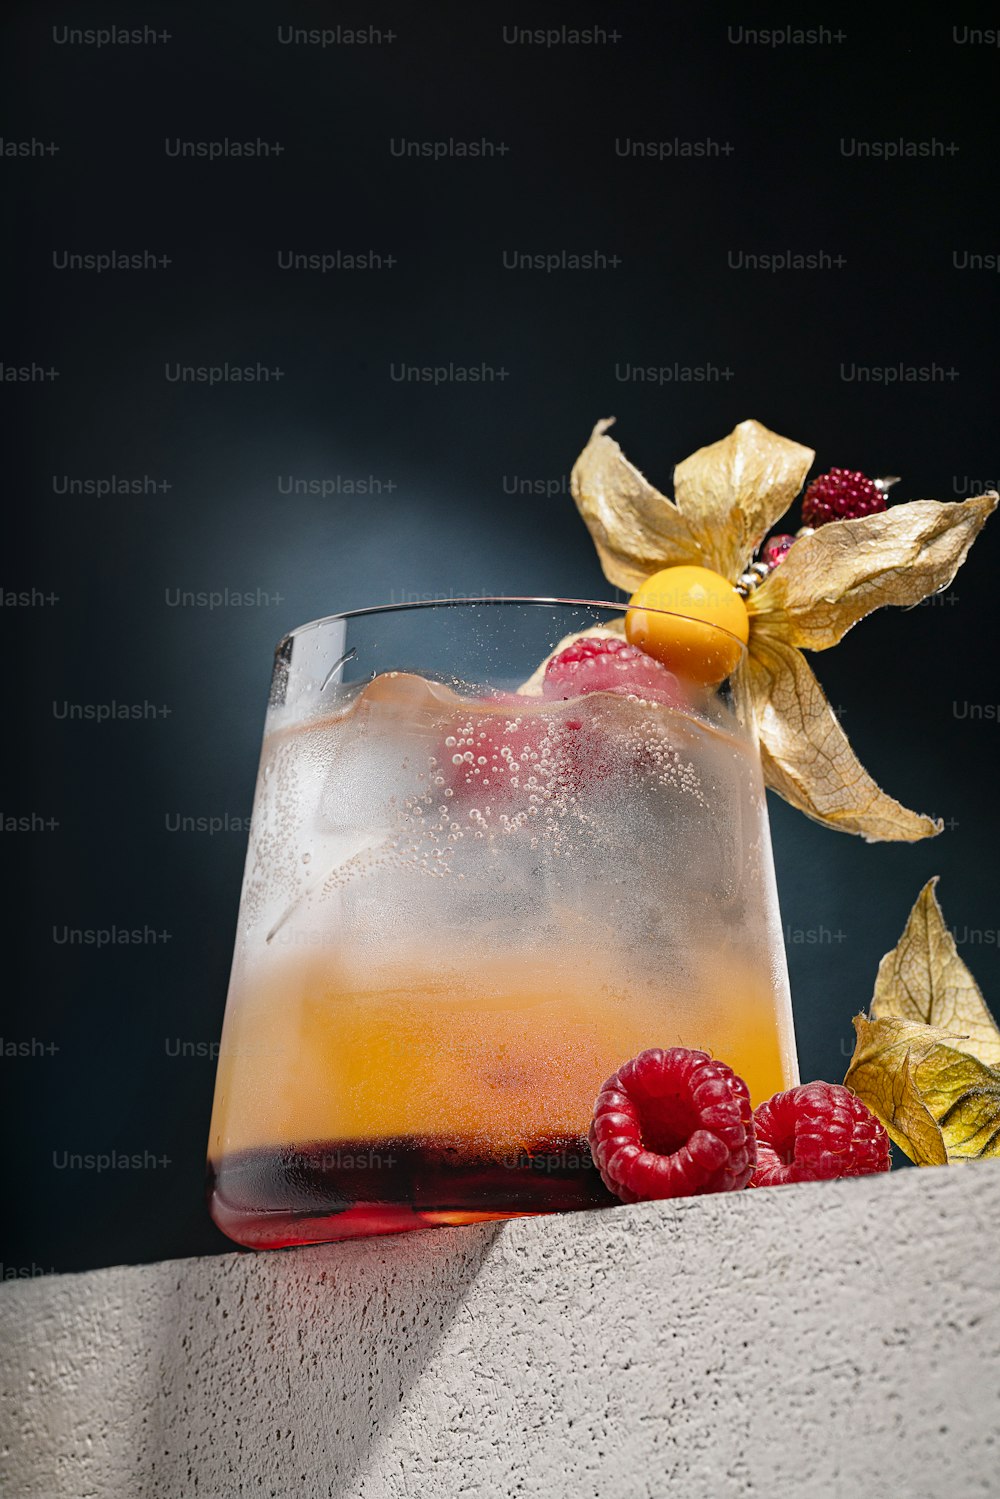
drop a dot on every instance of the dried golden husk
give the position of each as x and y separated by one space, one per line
728 496
927 1055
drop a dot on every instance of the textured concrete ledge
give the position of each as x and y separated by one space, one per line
823 1340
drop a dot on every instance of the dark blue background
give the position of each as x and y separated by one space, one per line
905 682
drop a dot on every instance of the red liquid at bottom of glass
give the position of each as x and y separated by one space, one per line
274 1198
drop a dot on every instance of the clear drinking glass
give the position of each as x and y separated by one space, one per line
464 907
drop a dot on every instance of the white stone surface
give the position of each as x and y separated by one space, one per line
805 1341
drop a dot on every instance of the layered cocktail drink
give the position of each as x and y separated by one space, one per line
471 893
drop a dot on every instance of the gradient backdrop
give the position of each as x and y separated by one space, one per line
127 487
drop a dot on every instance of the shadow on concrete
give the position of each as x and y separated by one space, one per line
316 1347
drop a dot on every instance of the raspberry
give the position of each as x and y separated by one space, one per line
776 549
814 1133
673 1124
842 494
502 752
523 750
600 663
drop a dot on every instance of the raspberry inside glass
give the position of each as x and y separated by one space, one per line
599 663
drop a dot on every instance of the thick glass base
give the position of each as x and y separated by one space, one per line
272 1198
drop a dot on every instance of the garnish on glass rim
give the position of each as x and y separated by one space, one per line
729 496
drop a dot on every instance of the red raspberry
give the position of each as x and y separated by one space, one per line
776 549
504 750
673 1124
815 1133
605 663
842 494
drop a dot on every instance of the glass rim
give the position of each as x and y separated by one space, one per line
524 599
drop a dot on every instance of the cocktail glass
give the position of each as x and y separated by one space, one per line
464 906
